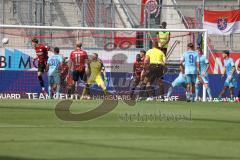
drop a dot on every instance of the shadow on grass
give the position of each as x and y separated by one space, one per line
166 154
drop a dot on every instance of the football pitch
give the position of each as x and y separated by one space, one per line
30 130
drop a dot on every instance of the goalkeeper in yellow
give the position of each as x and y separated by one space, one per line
96 68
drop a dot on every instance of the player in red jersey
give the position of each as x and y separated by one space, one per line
63 73
77 64
138 67
42 57
67 82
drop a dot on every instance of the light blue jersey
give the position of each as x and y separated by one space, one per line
203 61
190 60
54 63
228 65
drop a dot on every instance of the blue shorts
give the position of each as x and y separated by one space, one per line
204 79
179 81
54 79
232 83
191 78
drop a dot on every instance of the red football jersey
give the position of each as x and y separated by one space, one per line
64 71
138 68
70 81
78 57
42 53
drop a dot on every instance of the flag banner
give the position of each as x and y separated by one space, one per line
222 22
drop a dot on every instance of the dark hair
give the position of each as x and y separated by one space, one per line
164 23
79 45
35 40
96 54
143 51
226 52
190 45
155 44
56 50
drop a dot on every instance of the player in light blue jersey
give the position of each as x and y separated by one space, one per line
53 67
238 68
179 81
230 71
190 62
203 77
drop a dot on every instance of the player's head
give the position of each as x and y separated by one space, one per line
138 57
164 25
56 50
155 44
199 50
34 42
95 56
142 53
190 46
79 45
226 53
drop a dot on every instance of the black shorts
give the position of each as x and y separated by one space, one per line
155 71
41 67
77 74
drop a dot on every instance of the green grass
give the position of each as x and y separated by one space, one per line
31 130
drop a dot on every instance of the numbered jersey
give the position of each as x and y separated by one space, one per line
54 64
78 57
190 60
